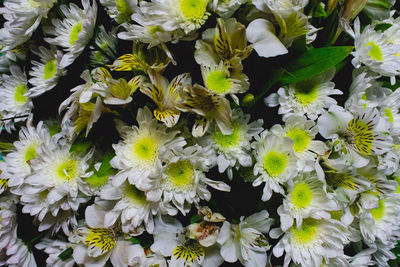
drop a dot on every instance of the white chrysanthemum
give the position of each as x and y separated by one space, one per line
51 192
171 15
374 50
20 255
106 46
357 136
246 241
131 207
383 253
361 259
120 10
54 248
275 162
16 166
389 107
306 198
74 32
45 74
383 222
302 132
225 9
316 241
8 222
170 240
13 99
183 181
137 156
23 17
234 149
97 244
310 97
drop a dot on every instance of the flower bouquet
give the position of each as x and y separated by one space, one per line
199 133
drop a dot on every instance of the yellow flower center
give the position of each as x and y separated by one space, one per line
124 11
50 69
180 175
307 233
19 97
137 197
217 81
73 37
379 212
30 153
375 52
229 141
306 93
67 169
101 238
362 136
300 138
389 114
146 149
193 10
275 163
302 195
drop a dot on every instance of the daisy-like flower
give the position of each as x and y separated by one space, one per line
382 222
306 198
131 207
166 95
302 132
275 162
234 148
55 248
97 244
225 9
8 223
374 50
137 156
246 241
312 244
183 181
171 240
19 255
45 74
120 10
208 107
16 166
356 135
220 81
22 19
310 97
188 15
13 100
51 192
106 46
74 32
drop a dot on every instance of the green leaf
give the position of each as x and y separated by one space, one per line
196 218
314 62
6 146
319 11
66 254
382 26
105 167
134 240
80 146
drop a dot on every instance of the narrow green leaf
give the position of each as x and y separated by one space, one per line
105 167
314 62
134 240
80 146
66 254
5 146
196 219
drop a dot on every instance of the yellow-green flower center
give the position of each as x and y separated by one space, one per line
389 114
101 238
300 138
30 153
193 10
124 11
307 233
67 169
50 69
137 197
180 175
146 149
19 97
217 81
73 37
362 136
375 52
306 93
302 195
379 212
397 179
229 141
275 163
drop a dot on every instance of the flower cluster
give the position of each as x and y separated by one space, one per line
131 133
